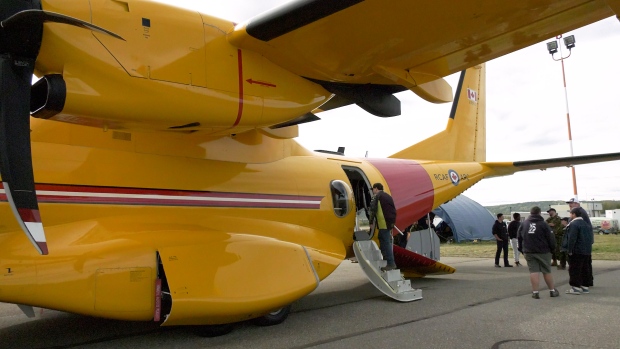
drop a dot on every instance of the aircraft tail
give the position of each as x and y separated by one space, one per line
464 139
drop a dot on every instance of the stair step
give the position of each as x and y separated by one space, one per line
390 282
401 286
362 235
392 275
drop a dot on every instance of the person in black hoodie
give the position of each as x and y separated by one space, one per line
536 241
501 235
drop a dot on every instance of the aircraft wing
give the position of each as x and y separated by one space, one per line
507 168
408 43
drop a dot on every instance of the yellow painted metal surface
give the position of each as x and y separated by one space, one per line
177 67
88 241
72 279
127 289
464 138
469 174
227 278
436 39
242 216
163 42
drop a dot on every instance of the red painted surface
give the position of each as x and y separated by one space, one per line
29 215
240 66
409 261
410 187
43 246
78 194
262 83
406 259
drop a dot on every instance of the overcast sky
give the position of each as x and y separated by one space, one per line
526 114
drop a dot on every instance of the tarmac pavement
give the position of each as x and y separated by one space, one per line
479 306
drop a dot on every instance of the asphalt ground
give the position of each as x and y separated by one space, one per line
479 306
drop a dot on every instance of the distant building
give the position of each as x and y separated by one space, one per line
614 214
594 209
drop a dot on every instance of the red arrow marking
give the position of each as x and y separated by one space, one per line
262 83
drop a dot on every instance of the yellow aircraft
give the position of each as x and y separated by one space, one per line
153 168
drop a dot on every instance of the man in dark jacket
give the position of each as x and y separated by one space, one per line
513 228
383 216
574 203
536 241
578 244
501 235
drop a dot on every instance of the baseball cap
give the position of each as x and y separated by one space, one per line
551 209
572 200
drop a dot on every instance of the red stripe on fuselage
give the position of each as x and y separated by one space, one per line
410 187
240 65
72 194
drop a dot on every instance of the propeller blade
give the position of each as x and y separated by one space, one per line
15 151
20 41
31 18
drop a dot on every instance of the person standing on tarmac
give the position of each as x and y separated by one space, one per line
383 216
536 241
573 203
513 228
563 253
555 223
501 235
578 244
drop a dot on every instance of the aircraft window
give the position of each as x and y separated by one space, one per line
340 198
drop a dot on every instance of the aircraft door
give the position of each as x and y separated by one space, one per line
361 194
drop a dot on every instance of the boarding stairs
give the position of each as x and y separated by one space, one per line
390 282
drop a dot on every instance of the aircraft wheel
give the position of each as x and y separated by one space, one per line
213 330
274 318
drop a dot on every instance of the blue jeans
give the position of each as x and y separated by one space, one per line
385 244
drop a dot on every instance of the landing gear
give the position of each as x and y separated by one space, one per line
274 318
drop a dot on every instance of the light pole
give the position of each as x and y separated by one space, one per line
552 47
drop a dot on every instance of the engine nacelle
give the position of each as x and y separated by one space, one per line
173 70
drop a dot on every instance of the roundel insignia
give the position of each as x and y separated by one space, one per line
454 177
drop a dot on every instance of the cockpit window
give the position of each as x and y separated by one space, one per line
340 198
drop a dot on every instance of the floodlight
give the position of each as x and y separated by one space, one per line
552 46
569 41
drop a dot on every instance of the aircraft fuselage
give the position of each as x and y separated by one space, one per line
112 202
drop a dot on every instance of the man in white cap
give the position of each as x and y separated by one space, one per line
573 203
